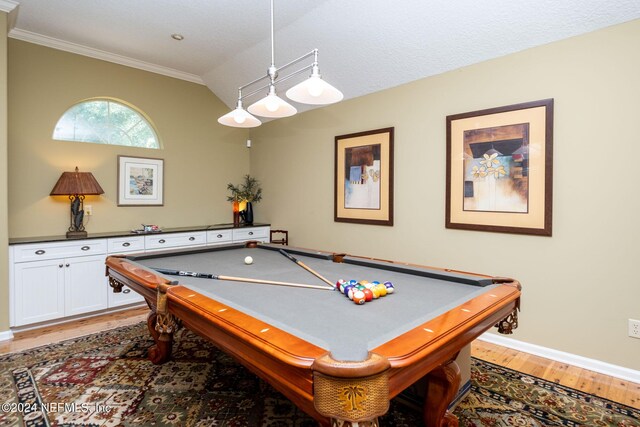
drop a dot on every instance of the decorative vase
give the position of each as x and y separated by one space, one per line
248 214
236 213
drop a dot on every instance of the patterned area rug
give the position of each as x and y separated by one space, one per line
105 380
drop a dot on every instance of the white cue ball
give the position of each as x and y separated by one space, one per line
248 260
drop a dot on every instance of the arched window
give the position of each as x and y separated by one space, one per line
106 121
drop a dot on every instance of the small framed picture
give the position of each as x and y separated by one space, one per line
500 169
364 177
140 181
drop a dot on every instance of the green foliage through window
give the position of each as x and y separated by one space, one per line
105 121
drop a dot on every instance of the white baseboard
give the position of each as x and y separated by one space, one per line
621 372
6 335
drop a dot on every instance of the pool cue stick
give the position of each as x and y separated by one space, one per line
236 279
306 267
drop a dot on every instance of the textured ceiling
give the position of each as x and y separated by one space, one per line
365 45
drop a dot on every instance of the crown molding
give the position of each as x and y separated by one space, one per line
54 43
8 5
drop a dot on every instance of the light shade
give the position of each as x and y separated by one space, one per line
239 118
314 91
272 106
76 183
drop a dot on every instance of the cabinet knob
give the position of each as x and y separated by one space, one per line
161 241
40 252
126 244
60 265
219 236
66 265
251 233
85 248
126 291
192 239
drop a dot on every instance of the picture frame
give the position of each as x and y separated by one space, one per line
363 184
500 169
140 181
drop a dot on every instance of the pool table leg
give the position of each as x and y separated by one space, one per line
442 386
161 325
160 352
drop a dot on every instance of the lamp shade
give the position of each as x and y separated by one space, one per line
76 183
239 118
314 91
272 106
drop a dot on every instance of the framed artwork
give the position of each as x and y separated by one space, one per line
499 169
140 181
364 177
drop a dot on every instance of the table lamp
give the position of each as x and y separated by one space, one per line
76 185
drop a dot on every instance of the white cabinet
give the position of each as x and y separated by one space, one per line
64 249
59 279
53 280
121 246
219 237
161 241
260 234
84 289
38 292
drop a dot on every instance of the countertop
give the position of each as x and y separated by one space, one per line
62 238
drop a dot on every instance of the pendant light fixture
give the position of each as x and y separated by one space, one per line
314 91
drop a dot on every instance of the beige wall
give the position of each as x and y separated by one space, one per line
581 285
4 272
200 155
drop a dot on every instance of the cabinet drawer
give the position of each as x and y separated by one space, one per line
218 236
44 251
254 233
118 245
127 296
173 240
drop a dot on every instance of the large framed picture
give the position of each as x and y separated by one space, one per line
499 169
364 177
140 181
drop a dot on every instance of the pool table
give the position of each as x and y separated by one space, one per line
338 361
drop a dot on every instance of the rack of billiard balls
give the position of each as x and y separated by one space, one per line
363 291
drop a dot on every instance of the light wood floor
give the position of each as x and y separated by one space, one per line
611 388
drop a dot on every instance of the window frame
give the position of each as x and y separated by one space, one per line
145 119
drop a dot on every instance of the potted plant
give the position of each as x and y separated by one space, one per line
248 192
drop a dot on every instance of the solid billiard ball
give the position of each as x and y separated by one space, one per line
368 295
382 289
248 260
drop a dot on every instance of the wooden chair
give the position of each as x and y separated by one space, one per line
282 237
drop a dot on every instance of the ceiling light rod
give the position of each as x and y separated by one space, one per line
280 79
314 91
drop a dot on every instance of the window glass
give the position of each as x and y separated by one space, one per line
106 121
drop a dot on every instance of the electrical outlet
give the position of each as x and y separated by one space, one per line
88 210
634 328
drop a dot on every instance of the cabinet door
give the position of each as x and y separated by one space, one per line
85 285
38 291
125 297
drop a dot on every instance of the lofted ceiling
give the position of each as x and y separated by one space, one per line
364 45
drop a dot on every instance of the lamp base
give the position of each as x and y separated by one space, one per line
76 234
